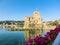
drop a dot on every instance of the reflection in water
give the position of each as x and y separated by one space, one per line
11 38
16 37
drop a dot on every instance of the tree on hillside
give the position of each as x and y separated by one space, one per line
54 23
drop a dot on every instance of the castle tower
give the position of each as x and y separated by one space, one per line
36 14
26 23
37 19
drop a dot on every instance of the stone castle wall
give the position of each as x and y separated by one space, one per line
33 22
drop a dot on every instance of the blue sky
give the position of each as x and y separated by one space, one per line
18 9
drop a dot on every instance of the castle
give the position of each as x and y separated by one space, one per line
33 22
36 22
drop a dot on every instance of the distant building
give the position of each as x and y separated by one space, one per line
59 22
33 22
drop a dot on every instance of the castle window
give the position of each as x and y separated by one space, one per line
29 19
